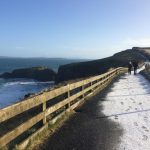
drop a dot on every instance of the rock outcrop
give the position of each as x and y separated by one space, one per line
37 73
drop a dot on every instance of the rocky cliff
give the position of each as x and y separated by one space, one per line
38 73
91 68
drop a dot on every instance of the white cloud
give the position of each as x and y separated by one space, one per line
142 42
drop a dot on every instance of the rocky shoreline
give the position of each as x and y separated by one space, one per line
38 73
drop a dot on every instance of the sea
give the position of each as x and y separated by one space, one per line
14 90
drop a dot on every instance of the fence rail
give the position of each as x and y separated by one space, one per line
71 100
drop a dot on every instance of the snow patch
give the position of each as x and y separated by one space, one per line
128 103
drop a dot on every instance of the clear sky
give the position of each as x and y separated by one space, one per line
72 28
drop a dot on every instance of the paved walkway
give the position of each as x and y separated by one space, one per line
117 119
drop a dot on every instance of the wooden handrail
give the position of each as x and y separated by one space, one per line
41 99
29 103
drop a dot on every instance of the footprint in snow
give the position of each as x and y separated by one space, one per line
145 117
116 117
122 103
145 120
135 123
144 127
146 130
145 137
127 109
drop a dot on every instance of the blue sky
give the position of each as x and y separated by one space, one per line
72 28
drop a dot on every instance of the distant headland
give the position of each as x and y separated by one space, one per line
81 68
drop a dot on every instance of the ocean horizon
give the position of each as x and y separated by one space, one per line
8 64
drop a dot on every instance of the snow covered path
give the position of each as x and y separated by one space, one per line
128 103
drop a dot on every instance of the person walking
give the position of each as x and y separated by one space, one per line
135 66
130 67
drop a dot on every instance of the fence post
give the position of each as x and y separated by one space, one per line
117 71
83 95
68 95
44 108
92 90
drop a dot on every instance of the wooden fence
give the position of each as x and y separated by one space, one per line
48 105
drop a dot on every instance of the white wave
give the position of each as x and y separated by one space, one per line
26 83
12 90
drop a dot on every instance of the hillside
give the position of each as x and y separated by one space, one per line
144 51
91 68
